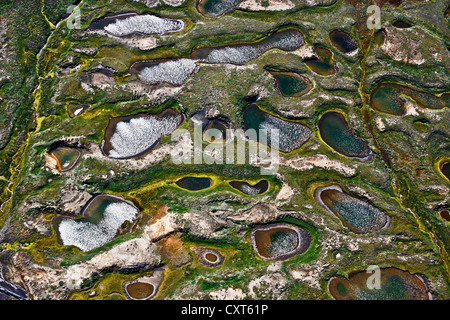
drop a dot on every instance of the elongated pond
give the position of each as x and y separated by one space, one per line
132 136
394 284
390 98
174 72
335 131
215 8
131 23
356 214
240 54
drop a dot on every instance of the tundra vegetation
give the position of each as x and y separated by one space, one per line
93 207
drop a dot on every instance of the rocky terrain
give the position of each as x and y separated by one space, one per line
170 55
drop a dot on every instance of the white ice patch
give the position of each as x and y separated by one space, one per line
66 164
242 54
245 188
87 236
139 134
145 24
174 72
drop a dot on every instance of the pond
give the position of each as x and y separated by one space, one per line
323 63
208 257
157 72
140 290
216 8
102 218
123 25
445 169
356 214
75 109
389 97
243 186
215 131
194 183
240 54
291 84
292 134
66 158
144 287
132 136
279 241
395 284
401 24
343 41
445 214
336 132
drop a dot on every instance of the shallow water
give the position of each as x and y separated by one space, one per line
174 72
66 158
336 132
75 109
132 136
445 214
387 98
102 218
323 64
445 169
130 23
395 284
291 84
379 37
211 257
276 242
357 215
212 129
402 24
279 241
208 257
140 290
292 135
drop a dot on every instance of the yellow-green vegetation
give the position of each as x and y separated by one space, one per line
52 70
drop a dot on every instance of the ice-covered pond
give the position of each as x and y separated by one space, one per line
132 136
102 217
